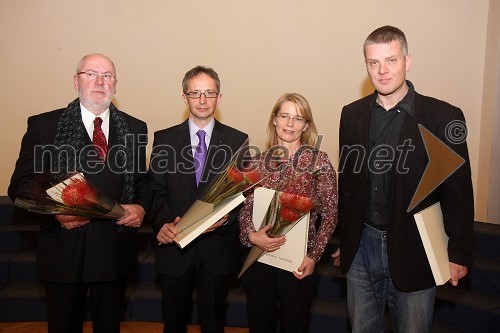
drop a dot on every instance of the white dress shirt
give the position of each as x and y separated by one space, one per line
88 121
195 140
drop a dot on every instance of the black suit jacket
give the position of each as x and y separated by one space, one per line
100 252
174 188
408 263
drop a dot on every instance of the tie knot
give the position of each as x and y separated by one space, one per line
97 122
201 135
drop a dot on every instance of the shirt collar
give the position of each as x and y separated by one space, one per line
88 117
406 104
88 121
193 129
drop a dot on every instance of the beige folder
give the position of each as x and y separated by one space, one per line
201 215
431 228
289 256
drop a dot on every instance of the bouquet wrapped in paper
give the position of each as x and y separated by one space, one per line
284 211
222 195
73 196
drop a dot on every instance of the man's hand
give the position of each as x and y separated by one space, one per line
336 257
71 221
263 241
457 272
307 268
134 215
168 232
217 224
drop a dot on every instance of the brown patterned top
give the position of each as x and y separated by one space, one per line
307 173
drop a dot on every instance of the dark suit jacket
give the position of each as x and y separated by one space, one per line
97 253
408 263
174 188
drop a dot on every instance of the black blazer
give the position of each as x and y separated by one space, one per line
174 188
408 263
98 253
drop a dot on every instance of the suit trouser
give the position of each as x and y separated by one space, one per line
177 297
275 293
66 306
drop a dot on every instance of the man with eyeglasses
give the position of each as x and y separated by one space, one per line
77 255
211 261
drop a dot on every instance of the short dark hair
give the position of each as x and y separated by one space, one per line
386 35
198 70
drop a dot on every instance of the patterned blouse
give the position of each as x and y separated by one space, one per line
307 173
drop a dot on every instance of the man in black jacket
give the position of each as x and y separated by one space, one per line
381 163
210 261
78 254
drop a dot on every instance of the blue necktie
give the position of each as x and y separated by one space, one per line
200 155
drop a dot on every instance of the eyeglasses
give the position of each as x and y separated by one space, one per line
91 75
285 117
197 94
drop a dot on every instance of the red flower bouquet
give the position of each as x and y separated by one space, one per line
283 213
73 196
222 195
78 193
288 208
231 182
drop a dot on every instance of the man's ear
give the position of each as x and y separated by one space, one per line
75 82
185 99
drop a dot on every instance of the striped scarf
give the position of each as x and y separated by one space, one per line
70 140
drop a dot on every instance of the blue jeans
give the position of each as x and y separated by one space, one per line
370 290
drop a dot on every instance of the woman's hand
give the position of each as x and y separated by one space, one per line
263 241
307 268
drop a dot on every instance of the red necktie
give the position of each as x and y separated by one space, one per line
99 139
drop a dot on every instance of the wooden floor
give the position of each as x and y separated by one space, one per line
126 327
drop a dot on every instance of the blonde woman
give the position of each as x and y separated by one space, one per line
271 292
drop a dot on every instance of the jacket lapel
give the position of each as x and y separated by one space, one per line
363 124
409 138
214 160
112 139
185 152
